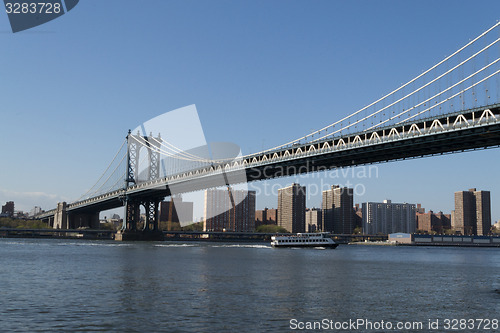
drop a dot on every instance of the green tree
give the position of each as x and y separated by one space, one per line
270 228
449 231
198 226
6 222
170 226
358 230
107 226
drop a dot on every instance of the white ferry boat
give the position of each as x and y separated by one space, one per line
304 240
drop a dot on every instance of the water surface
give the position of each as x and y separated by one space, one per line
81 285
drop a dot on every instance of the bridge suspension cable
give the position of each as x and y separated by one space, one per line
177 152
113 173
452 82
453 96
167 149
94 190
386 99
419 89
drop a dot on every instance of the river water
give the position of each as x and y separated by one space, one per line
49 285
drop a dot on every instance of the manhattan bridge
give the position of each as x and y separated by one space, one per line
453 106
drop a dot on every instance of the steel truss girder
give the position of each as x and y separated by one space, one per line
133 162
132 213
152 217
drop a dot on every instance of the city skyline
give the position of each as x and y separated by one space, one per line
274 205
153 139
328 77
338 213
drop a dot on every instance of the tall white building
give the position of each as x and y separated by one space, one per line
387 217
35 211
313 220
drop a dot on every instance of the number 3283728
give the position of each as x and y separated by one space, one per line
32 8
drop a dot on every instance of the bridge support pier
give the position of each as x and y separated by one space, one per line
68 220
89 220
50 221
132 215
61 216
150 230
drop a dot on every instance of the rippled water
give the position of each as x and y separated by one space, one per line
81 285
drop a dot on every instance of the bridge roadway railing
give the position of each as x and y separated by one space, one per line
431 126
469 119
383 134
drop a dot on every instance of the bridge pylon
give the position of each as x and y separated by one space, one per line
136 146
137 173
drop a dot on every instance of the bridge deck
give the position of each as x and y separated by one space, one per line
454 132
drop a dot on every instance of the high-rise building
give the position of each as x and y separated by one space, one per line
465 212
483 213
388 217
229 210
472 214
327 207
313 219
337 207
292 208
429 221
265 216
8 209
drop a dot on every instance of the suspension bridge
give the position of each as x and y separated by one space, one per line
453 106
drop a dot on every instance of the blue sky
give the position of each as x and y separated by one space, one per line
260 73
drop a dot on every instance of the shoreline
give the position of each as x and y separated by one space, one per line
176 236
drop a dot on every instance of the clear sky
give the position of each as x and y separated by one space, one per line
260 73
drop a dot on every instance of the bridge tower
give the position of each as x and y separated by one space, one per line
137 144
138 173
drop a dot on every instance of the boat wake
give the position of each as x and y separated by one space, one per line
252 246
176 245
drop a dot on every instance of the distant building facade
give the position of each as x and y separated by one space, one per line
35 211
229 210
8 209
420 209
358 217
176 210
337 210
472 214
497 227
430 222
313 219
483 213
387 217
265 216
292 208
